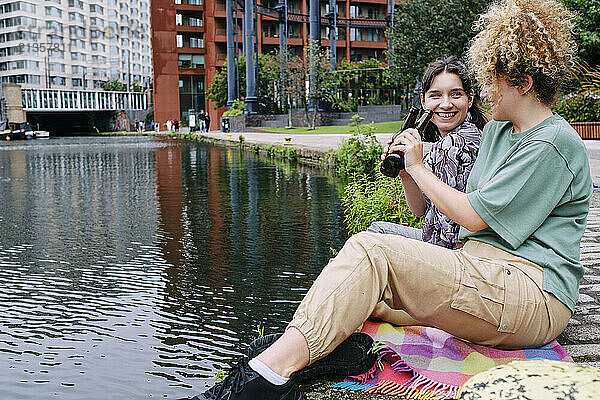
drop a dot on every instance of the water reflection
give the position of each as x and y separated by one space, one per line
139 267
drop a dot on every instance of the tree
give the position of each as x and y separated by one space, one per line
114 86
428 29
588 29
268 75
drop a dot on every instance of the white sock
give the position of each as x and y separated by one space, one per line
267 372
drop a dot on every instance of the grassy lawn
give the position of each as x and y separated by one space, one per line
381 127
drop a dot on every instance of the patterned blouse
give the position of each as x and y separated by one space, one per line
450 159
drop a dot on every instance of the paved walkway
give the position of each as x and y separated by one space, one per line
581 338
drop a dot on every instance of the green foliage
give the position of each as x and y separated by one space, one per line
280 151
135 87
268 76
148 119
241 139
114 86
361 130
360 153
237 108
581 107
428 29
220 375
368 199
587 34
260 331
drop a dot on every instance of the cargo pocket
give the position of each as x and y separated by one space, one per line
482 291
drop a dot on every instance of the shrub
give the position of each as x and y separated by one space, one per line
237 108
367 199
580 107
360 153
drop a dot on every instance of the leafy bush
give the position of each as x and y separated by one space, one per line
360 153
580 107
367 199
237 108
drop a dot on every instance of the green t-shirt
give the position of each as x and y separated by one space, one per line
533 190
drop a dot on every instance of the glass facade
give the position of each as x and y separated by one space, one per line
191 95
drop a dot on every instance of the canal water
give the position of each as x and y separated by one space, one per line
138 267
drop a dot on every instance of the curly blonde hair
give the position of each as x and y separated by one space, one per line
525 37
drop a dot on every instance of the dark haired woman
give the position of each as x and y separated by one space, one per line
457 119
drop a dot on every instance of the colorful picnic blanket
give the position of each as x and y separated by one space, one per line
428 363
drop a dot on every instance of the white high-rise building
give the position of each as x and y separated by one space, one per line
75 44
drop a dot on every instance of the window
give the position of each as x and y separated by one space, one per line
18 21
76 4
17 6
58 80
124 42
23 78
112 13
191 60
20 35
59 54
98 59
95 21
77 43
98 47
77 69
20 64
76 31
53 11
55 26
114 50
76 56
95 34
56 67
196 42
96 8
75 16
77 82
54 39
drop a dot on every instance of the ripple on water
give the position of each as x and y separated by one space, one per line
140 267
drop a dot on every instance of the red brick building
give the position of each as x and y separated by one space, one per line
189 44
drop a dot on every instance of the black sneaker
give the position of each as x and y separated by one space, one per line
243 383
352 357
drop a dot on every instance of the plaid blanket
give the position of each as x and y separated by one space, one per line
428 363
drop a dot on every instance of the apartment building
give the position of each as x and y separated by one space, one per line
190 45
75 44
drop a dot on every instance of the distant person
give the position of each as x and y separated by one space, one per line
176 123
169 125
207 119
152 125
202 121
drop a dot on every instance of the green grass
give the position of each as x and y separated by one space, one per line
381 127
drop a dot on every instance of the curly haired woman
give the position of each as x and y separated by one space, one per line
514 283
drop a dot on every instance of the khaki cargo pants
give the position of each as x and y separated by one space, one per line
479 293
